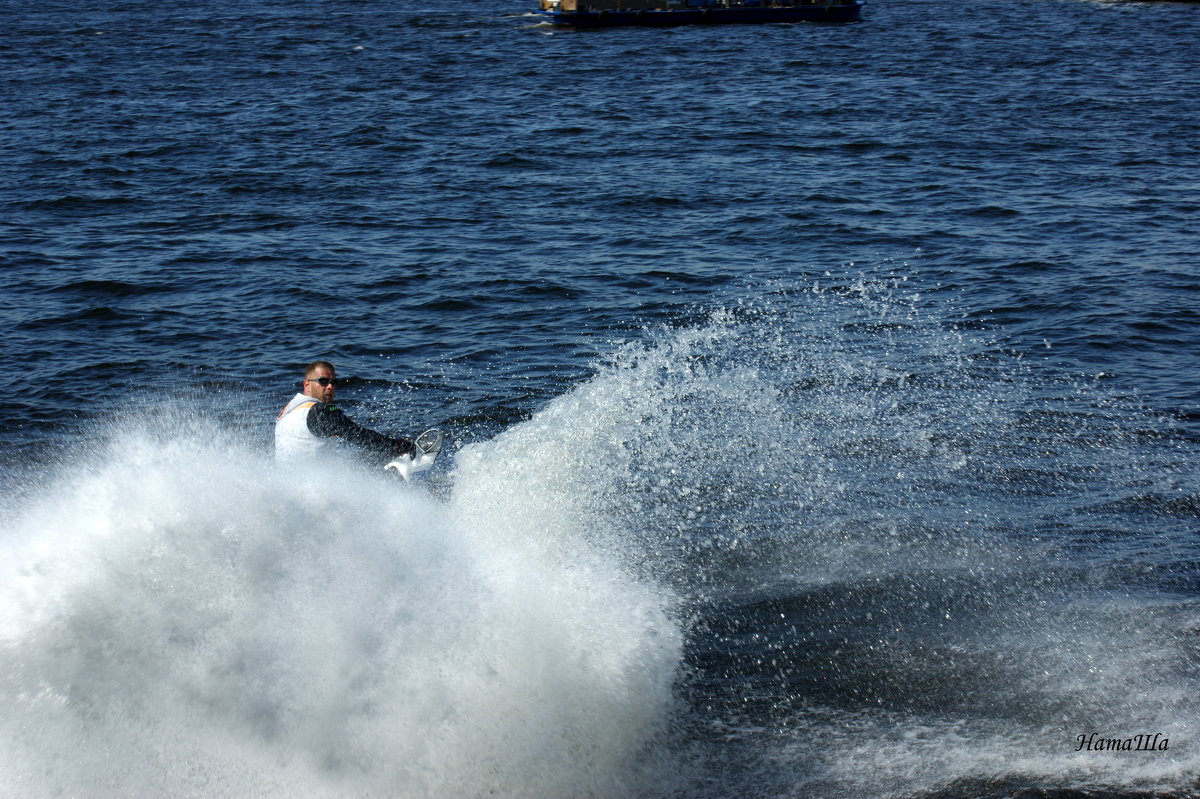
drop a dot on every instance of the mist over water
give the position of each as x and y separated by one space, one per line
181 619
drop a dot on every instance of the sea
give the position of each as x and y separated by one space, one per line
821 402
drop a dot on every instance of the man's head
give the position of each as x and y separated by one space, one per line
319 380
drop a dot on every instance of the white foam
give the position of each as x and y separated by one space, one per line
178 618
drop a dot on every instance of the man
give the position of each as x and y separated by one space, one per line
307 423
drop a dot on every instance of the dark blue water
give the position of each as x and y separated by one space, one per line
822 402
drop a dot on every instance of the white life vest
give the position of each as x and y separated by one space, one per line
293 440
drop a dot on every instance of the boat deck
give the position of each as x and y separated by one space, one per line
661 13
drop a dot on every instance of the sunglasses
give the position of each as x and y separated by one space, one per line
323 381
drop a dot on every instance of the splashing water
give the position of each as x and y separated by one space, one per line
183 620
822 543
910 561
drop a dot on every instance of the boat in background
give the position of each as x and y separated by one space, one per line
614 13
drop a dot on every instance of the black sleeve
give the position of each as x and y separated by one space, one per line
326 421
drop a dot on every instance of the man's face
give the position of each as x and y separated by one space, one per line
313 387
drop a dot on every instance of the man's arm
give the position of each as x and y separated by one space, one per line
326 421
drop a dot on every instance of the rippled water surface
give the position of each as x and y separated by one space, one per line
821 402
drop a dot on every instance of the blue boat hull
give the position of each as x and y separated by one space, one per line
833 12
